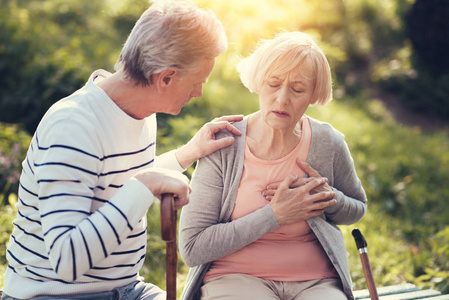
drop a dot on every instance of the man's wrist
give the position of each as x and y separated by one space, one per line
169 160
185 156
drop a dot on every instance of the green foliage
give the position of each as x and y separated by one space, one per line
417 87
418 71
47 51
431 260
13 145
7 215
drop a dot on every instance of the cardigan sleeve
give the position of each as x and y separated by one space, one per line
330 156
206 232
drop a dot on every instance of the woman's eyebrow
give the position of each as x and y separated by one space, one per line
301 82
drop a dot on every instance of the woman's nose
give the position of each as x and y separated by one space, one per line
282 95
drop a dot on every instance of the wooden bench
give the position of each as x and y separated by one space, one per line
406 291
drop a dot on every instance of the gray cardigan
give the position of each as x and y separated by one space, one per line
207 233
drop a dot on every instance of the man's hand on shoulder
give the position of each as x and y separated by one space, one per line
204 142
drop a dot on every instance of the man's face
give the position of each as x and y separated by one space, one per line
187 86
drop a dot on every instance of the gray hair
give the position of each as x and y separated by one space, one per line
282 55
171 33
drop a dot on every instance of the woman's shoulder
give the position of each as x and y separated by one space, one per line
326 142
238 146
325 130
240 125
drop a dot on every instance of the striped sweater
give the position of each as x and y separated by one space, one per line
81 222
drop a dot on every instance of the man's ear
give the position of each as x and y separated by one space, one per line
165 78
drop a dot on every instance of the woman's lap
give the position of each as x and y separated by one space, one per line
241 286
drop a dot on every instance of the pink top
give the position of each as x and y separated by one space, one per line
290 252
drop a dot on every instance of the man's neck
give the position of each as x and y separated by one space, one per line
127 96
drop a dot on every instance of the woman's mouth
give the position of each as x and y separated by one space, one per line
280 114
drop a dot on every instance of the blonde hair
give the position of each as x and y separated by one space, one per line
285 53
171 33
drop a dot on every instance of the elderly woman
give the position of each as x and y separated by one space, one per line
261 223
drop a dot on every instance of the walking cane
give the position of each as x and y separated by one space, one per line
168 233
362 246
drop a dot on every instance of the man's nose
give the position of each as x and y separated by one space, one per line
197 92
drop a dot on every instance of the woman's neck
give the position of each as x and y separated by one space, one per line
268 143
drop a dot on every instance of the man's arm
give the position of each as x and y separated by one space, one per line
78 237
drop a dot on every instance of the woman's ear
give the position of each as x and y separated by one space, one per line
313 101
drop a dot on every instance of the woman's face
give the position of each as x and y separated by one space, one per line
284 99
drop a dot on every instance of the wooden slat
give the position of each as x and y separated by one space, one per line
442 297
387 290
412 295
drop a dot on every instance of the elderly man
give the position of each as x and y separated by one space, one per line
91 173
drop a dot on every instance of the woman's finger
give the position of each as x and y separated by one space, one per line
307 168
299 181
287 182
314 183
321 205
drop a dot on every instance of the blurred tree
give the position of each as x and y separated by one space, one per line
428 30
417 74
47 51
